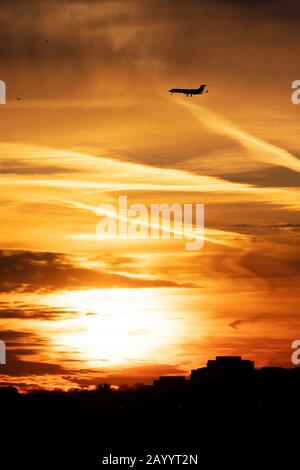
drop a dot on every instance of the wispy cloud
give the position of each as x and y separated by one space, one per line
259 149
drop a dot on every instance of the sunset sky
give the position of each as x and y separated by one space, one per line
95 122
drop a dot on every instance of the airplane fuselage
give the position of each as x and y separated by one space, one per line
189 91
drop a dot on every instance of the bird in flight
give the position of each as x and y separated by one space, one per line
190 91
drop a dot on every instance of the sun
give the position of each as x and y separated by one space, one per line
113 326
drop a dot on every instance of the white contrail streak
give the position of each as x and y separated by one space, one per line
98 210
260 149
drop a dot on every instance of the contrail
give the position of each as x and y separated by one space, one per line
268 153
98 210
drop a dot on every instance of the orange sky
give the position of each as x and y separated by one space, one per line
95 122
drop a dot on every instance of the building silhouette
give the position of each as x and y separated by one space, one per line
224 369
170 382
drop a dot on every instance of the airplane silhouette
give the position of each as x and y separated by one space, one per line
189 91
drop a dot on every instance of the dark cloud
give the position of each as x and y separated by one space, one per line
20 343
16 168
271 177
265 229
33 312
27 271
18 368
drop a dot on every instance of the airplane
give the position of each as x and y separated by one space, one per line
189 91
